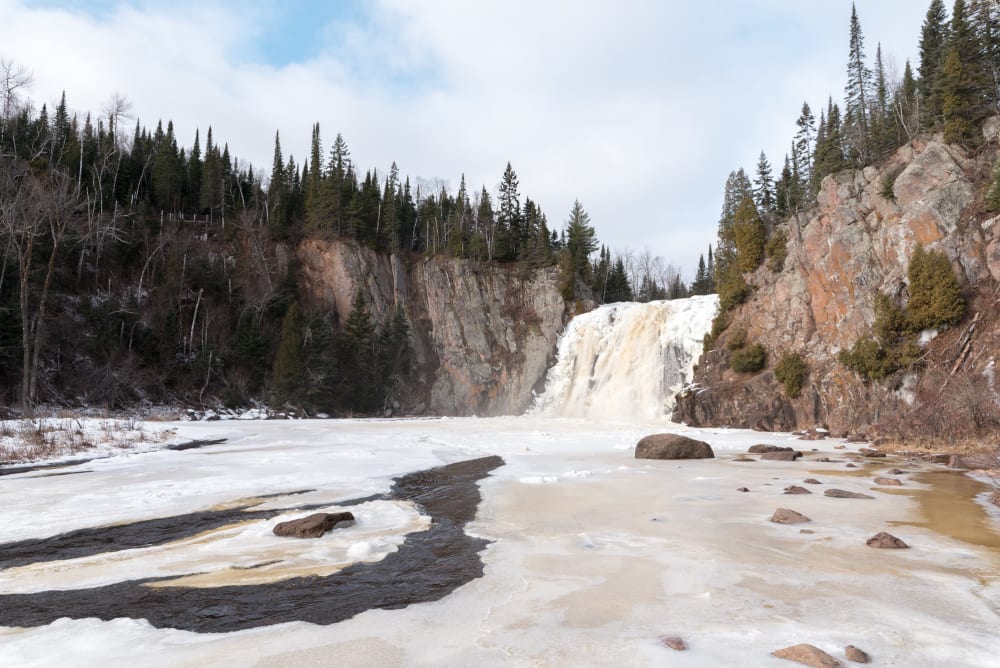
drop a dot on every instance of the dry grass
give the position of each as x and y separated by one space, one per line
35 439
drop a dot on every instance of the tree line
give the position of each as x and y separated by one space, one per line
134 268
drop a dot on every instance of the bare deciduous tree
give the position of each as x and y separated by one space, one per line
37 210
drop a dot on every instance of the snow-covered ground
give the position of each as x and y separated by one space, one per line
596 555
47 440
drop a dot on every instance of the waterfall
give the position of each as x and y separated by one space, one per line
626 361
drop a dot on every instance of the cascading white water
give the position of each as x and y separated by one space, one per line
626 361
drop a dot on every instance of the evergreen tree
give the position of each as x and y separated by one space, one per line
984 15
748 236
763 186
289 362
277 194
701 285
356 359
618 287
802 149
857 94
194 174
509 222
957 92
933 36
581 240
935 295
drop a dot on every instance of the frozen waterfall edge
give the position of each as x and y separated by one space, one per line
626 361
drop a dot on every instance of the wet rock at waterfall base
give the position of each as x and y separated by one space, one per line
856 655
674 642
795 489
782 455
812 481
315 525
886 541
887 481
760 449
787 516
808 655
844 494
895 472
672 446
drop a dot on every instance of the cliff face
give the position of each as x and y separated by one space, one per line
482 336
854 243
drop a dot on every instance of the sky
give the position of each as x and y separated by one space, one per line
637 108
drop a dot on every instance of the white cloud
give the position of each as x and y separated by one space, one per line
639 109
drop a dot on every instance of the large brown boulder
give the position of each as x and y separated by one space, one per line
808 655
672 446
314 526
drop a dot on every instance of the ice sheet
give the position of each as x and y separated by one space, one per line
596 555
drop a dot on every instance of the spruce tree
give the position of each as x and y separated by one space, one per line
581 240
857 93
763 186
803 146
933 36
289 361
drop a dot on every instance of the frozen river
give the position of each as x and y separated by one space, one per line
592 557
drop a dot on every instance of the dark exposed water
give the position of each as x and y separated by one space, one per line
429 565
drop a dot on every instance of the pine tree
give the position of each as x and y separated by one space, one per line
906 107
984 15
581 240
802 149
763 186
933 36
277 194
935 295
956 100
748 236
356 359
194 174
289 361
509 222
857 93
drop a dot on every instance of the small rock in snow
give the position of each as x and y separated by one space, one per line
786 516
674 642
856 655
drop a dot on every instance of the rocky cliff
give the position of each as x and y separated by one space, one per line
482 335
854 243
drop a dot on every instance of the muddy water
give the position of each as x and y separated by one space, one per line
429 565
949 508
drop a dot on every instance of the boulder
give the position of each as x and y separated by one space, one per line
786 516
868 452
782 455
672 446
808 655
844 494
995 498
886 541
760 449
856 655
895 472
812 481
742 489
887 481
795 489
314 526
